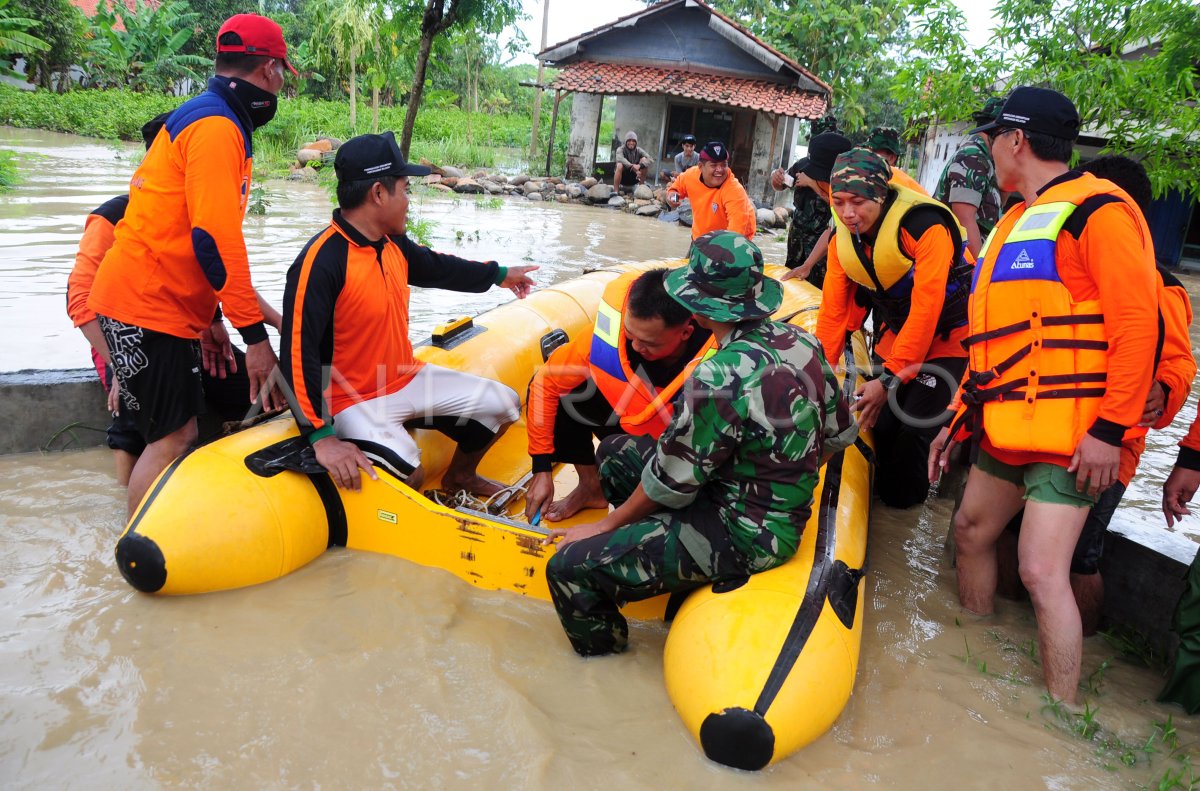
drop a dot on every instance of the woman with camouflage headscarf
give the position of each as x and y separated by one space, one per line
906 252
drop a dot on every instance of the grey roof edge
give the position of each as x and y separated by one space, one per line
727 28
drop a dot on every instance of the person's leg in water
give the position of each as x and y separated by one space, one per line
1048 535
988 503
154 460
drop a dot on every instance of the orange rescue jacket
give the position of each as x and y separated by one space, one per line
1062 335
603 357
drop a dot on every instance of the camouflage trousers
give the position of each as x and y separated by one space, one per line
667 551
800 243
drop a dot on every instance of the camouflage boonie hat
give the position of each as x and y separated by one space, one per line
724 280
991 110
861 172
884 138
827 124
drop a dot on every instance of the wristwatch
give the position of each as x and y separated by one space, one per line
889 380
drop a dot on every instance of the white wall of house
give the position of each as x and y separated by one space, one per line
581 146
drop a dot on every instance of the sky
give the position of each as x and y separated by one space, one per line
569 18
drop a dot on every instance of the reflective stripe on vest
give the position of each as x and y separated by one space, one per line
642 410
606 338
1038 359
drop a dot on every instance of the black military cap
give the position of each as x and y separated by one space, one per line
373 156
1037 110
823 149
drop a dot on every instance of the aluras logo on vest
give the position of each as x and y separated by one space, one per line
1023 260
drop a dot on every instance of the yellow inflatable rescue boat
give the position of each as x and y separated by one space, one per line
757 670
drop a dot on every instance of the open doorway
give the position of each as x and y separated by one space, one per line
734 128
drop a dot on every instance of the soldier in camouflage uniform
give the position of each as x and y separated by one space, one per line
885 142
968 183
810 215
727 489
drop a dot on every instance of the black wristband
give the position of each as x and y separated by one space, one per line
543 462
1189 458
255 333
1107 431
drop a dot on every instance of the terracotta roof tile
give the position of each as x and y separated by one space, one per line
769 97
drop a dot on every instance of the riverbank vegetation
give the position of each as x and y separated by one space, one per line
8 170
443 133
438 71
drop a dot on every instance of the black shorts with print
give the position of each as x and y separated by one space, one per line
159 375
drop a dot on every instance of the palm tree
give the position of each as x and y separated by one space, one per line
352 26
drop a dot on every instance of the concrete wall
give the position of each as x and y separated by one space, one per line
581 147
646 115
34 405
768 129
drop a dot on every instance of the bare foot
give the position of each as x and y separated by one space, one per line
475 484
573 503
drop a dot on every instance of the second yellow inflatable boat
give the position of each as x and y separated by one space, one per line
757 670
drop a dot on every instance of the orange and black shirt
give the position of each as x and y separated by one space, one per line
180 251
345 317
98 231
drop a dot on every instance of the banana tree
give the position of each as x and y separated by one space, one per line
147 54
15 38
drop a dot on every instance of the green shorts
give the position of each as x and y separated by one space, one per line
1043 482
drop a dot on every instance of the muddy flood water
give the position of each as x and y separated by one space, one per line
365 671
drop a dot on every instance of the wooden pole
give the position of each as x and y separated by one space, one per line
537 97
558 94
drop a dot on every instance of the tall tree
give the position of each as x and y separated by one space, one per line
438 16
1132 69
352 27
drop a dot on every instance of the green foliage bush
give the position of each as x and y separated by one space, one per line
106 114
8 170
446 135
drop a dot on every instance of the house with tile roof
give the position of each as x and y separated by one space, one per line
680 67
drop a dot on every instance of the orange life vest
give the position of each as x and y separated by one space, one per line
1037 358
642 410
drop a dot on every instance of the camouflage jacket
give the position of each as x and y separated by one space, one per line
970 177
809 221
748 436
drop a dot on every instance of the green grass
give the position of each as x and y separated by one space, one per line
440 134
8 171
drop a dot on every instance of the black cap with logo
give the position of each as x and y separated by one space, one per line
823 149
714 151
1037 110
372 157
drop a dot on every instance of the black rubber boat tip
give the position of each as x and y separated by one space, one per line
141 563
738 738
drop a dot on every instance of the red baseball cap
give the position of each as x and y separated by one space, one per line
260 35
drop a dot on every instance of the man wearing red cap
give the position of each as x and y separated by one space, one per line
179 256
719 201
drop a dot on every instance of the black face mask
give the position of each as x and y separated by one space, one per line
260 105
